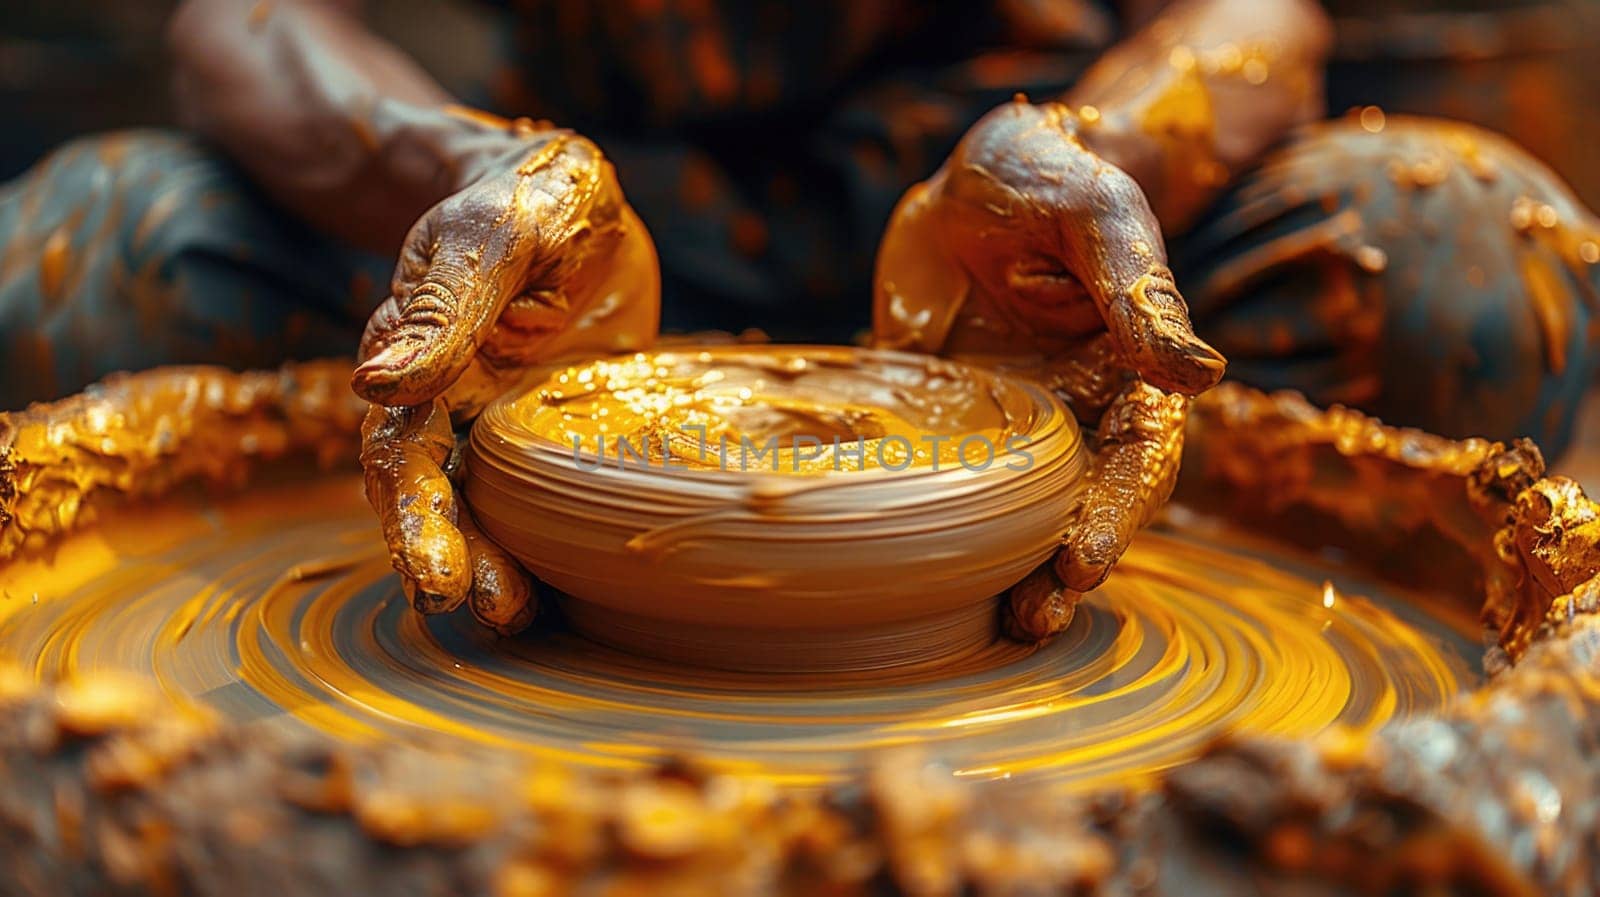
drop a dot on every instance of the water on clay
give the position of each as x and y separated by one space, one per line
278 606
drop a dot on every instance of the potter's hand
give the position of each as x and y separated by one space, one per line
538 257
1028 250
1137 445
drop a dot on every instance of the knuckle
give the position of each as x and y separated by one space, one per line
434 552
1096 545
445 281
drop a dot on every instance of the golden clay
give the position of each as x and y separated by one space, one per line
1468 516
777 507
1299 814
140 435
279 605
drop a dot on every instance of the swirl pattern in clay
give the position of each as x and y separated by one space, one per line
278 606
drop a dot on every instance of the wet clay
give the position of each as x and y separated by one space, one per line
278 607
778 508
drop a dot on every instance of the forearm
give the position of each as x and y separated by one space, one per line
1198 94
330 121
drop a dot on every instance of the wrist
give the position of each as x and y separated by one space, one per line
484 144
1114 139
447 147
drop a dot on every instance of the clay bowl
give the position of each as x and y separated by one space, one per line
880 505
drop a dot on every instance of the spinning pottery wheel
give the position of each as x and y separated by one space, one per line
244 701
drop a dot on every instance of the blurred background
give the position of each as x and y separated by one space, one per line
1527 68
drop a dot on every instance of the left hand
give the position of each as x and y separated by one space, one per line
538 256
1027 250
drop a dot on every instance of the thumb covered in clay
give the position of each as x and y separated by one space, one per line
444 300
1115 248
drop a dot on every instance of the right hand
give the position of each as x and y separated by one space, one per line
536 258
1028 250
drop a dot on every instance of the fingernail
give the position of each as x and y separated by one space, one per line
1087 562
1187 365
518 623
1208 359
1039 606
426 602
429 603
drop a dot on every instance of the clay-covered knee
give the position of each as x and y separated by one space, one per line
132 249
108 185
1427 271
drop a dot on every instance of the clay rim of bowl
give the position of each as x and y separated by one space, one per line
499 417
